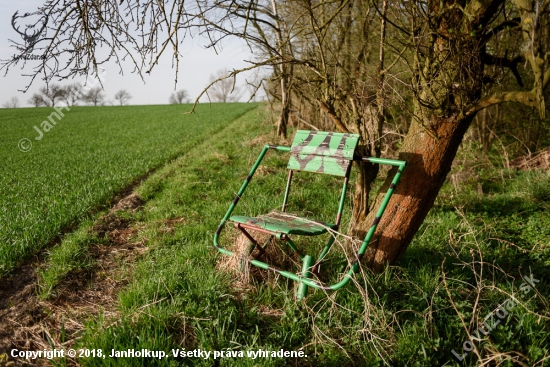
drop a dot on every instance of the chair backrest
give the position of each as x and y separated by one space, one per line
322 152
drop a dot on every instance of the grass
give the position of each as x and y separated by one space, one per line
468 257
71 255
83 161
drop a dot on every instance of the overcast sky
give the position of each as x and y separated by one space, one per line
196 66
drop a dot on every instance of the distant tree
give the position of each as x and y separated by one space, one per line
72 93
38 100
52 94
179 97
12 103
122 96
94 96
223 89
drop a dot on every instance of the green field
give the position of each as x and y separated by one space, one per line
83 161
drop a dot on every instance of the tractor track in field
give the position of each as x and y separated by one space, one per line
29 323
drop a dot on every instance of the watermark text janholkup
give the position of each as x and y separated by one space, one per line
46 126
25 144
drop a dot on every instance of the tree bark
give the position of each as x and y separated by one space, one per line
282 123
370 130
429 161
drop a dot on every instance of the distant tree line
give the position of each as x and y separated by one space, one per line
72 94
222 88
179 97
12 103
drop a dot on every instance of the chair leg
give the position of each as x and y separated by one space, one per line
306 273
252 240
292 245
315 269
267 242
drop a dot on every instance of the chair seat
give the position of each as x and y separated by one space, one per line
284 223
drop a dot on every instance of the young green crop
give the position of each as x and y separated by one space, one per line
83 161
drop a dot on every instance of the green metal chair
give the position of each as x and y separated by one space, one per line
312 151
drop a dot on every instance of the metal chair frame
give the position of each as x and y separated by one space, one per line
308 265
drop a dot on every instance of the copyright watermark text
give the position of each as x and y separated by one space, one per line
156 354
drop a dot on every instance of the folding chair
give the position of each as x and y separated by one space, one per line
312 151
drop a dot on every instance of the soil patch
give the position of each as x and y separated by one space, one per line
29 323
129 203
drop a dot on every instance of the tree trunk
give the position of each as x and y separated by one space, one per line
282 123
447 83
370 131
428 163
484 133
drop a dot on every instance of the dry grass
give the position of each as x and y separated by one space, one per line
30 323
261 140
245 274
540 160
